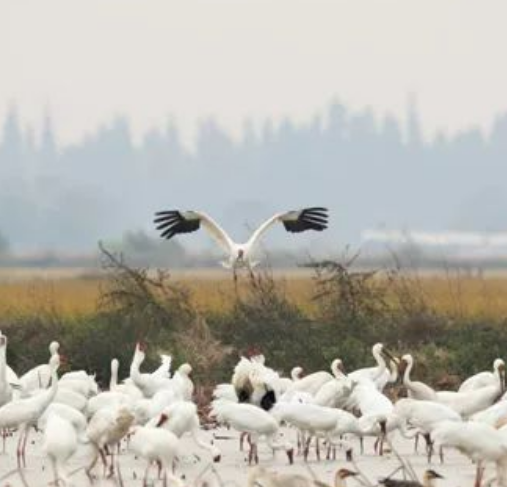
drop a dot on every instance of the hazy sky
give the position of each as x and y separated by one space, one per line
88 60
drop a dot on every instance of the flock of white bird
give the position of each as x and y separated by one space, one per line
314 414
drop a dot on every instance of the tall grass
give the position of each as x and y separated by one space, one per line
453 324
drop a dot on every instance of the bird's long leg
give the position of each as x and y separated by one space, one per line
5 433
307 447
55 471
416 443
111 466
242 440
146 472
361 444
441 454
25 441
479 474
317 448
429 446
250 450
20 445
104 460
118 472
89 469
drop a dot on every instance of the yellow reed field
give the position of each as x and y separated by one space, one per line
77 292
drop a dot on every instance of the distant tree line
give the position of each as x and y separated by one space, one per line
370 171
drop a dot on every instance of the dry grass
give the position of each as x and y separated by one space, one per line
73 292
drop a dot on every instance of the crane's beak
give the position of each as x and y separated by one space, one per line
390 356
501 370
434 475
402 366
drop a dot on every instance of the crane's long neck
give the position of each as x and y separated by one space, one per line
335 369
380 361
3 366
406 375
48 396
114 375
500 376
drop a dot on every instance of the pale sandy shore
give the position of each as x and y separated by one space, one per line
197 469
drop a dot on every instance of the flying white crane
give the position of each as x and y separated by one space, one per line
174 222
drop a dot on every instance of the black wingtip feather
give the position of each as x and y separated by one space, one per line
314 218
172 222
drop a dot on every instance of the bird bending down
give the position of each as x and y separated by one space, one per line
247 418
156 445
429 478
106 428
174 222
260 476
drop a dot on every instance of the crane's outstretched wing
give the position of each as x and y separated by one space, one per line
174 222
315 218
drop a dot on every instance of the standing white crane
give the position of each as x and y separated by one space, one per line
310 419
312 383
425 416
12 377
5 387
181 417
381 374
156 445
59 444
182 381
479 441
128 388
40 376
468 403
24 413
415 389
174 222
482 379
149 384
106 428
247 418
